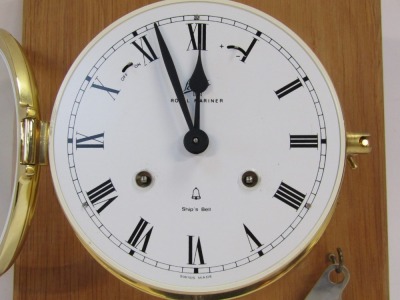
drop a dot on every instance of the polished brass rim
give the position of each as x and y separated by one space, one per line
27 171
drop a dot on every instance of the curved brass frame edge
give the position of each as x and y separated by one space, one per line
27 176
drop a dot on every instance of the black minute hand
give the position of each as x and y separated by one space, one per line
173 76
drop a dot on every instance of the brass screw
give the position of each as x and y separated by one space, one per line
143 179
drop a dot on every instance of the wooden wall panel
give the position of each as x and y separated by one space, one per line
345 35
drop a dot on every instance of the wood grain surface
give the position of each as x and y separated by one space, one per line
345 35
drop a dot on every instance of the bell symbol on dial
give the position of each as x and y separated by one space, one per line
196 194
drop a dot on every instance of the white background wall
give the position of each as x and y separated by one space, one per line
391 70
11 20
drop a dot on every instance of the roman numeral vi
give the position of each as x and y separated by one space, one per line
195 251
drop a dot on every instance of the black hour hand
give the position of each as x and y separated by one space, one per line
198 83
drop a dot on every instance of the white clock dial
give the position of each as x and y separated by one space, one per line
236 214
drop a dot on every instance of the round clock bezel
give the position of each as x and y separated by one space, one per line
228 290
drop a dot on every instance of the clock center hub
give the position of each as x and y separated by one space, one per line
196 141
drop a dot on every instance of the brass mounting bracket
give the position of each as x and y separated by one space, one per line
356 143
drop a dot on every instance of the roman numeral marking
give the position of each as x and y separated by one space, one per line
303 141
98 195
138 239
287 89
97 84
246 52
92 141
289 196
149 53
195 252
252 240
200 42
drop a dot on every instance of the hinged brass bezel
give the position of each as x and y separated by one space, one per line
31 148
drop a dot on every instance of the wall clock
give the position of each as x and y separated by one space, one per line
197 147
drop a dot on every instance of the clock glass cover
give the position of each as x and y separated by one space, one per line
247 206
8 161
